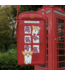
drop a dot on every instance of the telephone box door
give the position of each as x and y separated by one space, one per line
31 41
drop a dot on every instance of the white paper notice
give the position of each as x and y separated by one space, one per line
31 22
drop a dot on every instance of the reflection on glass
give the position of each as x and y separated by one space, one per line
60 44
60 33
60 39
60 27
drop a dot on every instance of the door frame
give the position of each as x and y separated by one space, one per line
55 16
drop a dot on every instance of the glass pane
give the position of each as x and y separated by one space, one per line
60 39
60 46
60 33
61 65
61 43
60 27
47 58
47 32
61 52
61 21
47 45
47 52
47 39
61 58
47 65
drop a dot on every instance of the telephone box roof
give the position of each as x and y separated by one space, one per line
51 7
30 15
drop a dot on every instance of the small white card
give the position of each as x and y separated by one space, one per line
35 39
35 48
27 48
31 21
27 29
27 39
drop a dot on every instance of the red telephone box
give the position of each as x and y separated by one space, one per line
55 49
31 39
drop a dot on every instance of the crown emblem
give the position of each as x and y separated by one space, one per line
59 9
31 16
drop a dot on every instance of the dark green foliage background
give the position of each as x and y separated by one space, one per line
8 60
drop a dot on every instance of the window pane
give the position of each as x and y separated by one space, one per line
60 45
47 52
47 45
61 52
60 39
61 21
61 58
61 65
60 33
47 39
47 58
60 27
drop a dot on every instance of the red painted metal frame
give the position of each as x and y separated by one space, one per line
55 16
44 7
55 42
17 12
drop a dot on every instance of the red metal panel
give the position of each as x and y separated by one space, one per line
39 56
54 44
50 43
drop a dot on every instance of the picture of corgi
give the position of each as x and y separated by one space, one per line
27 57
35 30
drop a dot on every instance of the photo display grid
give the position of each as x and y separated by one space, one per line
35 38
